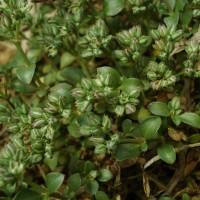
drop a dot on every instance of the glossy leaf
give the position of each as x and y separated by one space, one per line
101 196
74 182
92 187
126 151
191 119
113 7
25 74
149 127
27 194
167 153
53 181
159 108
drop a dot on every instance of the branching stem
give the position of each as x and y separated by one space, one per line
157 157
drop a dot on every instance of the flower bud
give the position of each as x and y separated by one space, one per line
53 98
152 76
93 174
36 112
175 102
138 31
123 39
35 158
119 110
97 140
66 113
177 35
4 117
38 123
3 106
78 93
38 146
163 31
86 83
129 108
7 22
106 123
155 34
35 133
144 40
18 142
13 128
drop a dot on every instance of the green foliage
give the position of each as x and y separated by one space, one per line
53 181
91 90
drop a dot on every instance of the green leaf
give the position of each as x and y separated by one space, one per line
74 129
66 59
162 9
25 74
54 180
27 194
126 151
104 175
131 84
171 3
109 75
185 196
74 182
143 113
52 162
186 16
62 89
113 7
191 119
101 196
92 187
159 108
19 86
127 125
89 166
176 119
149 127
167 153
180 4
72 75
172 20
194 138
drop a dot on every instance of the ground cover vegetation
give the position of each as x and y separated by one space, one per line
99 99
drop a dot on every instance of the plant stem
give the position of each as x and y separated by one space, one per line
26 60
35 186
157 157
18 45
